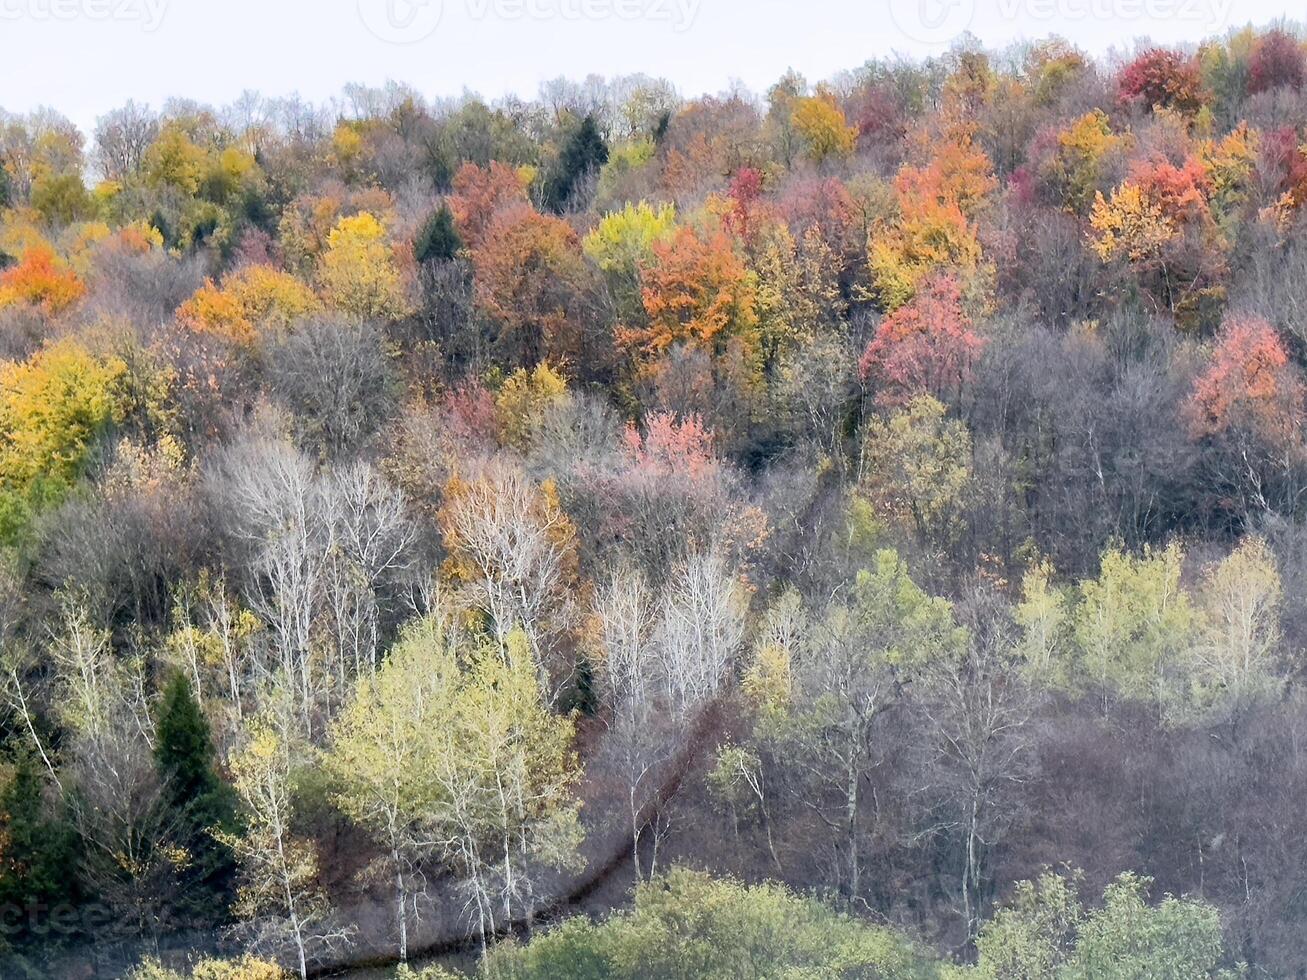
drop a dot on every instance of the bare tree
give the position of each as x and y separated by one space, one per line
121 138
701 630
977 710
514 548
626 608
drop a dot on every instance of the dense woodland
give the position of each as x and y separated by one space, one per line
855 530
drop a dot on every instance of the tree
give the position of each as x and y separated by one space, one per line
1277 62
622 245
924 348
933 231
511 545
358 274
383 760
245 968
688 925
479 193
1237 660
255 303
52 407
584 153
840 671
1161 222
279 887
62 199
626 609
1047 932
438 241
1130 939
531 279
1032 935
1161 78
698 292
1132 624
452 748
980 752
1249 383
1084 151
41 279
122 137
338 376
38 846
200 801
700 631
525 400
823 127
916 469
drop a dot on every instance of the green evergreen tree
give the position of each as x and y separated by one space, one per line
38 855
184 755
583 155
438 241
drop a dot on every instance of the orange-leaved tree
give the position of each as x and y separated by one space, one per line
698 292
531 279
41 279
479 193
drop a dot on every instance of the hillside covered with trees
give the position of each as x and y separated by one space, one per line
854 530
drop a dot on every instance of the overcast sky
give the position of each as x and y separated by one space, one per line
86 56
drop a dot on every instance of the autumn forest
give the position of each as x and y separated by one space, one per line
851 530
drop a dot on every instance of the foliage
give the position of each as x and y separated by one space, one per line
698 292
525 400
358 274
1161 78
916 467
925 347
1132 622
52 407
691 926
1277 61
823 128
584 153
198 797
253 303
1249 383
41 279
478 194
438 241
1083 150
530 277
1046 932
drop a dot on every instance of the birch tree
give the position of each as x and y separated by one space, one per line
278 870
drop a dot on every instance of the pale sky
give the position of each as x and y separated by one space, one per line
84 57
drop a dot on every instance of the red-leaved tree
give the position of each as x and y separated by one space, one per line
1249 384
1276 62
926 346
1162 78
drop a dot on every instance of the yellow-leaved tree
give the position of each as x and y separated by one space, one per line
358 274
253 301
52 406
